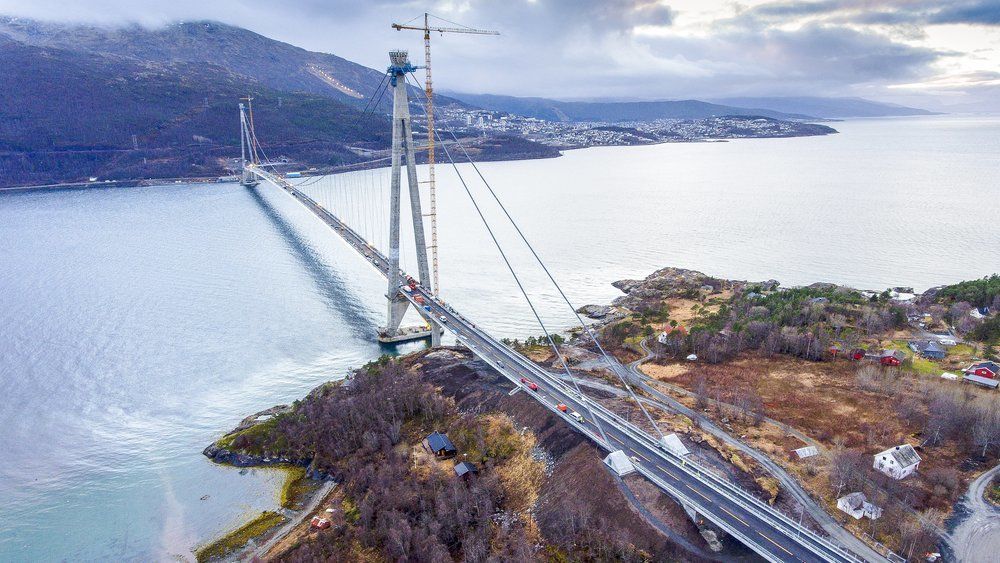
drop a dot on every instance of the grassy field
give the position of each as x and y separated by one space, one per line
239 537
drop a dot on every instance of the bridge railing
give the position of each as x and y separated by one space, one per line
743 498
750 502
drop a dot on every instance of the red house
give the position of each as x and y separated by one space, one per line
986 374
891 358
984 369
319 523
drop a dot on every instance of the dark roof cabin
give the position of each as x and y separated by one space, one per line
465 469
439 445
933 350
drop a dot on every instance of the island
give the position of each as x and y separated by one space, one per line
794 393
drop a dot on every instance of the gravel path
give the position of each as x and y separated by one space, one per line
976 535
788 483
287 527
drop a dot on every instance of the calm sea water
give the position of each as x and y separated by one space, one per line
136 325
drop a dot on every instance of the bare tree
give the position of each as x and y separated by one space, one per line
701 391
986 429
847 470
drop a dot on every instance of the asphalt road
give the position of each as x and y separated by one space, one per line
763 529
789 483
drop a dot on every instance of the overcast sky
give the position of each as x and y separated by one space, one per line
922 52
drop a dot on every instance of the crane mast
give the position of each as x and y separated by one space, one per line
429 94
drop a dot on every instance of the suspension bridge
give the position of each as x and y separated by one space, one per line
375 224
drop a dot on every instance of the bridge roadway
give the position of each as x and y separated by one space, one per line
768 532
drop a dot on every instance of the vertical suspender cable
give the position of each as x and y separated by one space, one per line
524 292
611 364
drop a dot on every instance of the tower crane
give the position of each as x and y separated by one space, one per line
429 92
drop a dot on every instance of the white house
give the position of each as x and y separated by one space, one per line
808 451
857 505
897 462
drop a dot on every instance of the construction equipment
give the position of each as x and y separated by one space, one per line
429 92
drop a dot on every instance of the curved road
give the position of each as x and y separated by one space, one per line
789 483
977 535
767 531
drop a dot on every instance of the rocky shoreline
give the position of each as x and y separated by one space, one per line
226 456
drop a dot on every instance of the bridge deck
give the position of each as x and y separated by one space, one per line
770 533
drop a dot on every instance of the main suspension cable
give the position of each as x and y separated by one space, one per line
611 364
520 286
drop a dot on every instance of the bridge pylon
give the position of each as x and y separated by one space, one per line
403 151
248 145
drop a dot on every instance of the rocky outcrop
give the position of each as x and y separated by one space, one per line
226 456
595 311
257 418
665 283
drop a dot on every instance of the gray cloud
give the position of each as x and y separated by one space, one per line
887 12
581 48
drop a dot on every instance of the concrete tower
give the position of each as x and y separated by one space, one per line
402 149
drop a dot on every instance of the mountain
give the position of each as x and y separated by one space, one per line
272 64
120 103
555 110
66 116
829 108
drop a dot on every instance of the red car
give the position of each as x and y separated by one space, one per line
561 407
530 384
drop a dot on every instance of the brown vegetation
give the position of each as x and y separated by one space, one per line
394 501
855 411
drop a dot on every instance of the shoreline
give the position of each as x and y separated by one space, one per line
621 308
156 182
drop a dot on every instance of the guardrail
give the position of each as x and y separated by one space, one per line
743 498
756 506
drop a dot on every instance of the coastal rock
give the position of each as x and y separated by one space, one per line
594 311
626 286
662 284
222 455
258 417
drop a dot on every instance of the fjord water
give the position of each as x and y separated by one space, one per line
137 325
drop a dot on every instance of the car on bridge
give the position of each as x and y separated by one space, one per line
443 319
531 384
562 407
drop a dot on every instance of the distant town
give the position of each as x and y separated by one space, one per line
573 135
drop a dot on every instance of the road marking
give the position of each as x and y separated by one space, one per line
642 456
742 521
699 493
781 547
665 470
